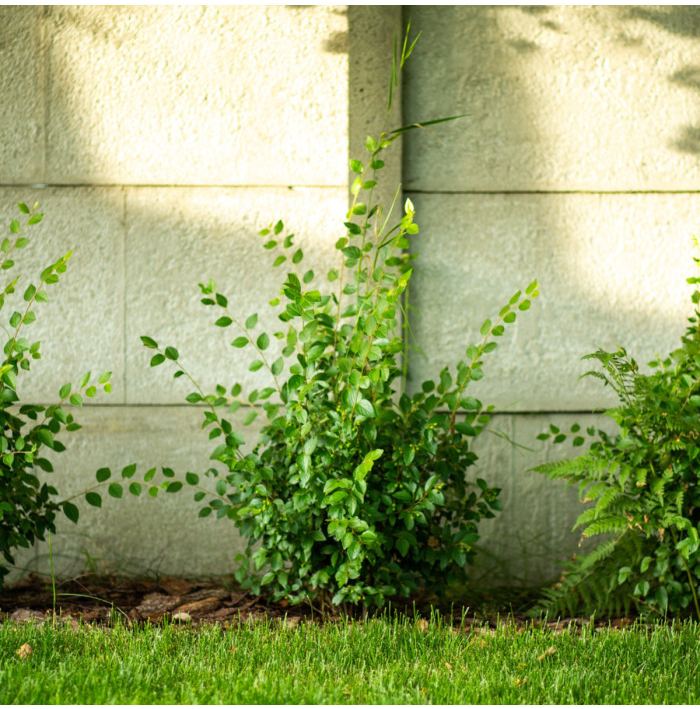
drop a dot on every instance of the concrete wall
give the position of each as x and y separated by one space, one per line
158 140
579 164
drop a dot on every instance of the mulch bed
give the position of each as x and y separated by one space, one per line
137 601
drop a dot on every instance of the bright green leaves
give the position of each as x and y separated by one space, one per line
240 341
223 321
263 341
251 321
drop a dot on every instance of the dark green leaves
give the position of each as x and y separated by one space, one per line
71 511
223 321
171 353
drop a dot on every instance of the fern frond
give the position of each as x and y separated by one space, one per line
589 585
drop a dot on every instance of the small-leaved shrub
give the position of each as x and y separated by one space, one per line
28 506
355 491
644 480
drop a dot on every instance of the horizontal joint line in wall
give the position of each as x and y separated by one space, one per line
63 185
547 192
185 405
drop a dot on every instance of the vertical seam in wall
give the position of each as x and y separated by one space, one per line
44 53
124 303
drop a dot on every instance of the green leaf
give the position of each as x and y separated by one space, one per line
356 166
240 341
171 353
251 321
192 478
485 328
76 399
103 474
263 341
35 218
135 488
92 498
23 208
223 321
157 359
14 226
45 436
29 293
149 342
129 471
298 256
277 366
115 490
255 365
71 511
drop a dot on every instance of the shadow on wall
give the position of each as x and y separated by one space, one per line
574 122
684 22
172 135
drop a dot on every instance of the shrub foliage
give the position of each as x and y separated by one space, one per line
356 490
27 505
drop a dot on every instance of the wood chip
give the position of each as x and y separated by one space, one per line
175 587
155 605
206 605
25 615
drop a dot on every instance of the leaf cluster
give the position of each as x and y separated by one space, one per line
27 505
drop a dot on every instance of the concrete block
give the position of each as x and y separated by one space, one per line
558 97
372 30
81 327
139 535
525 544
180 237
22 79
197 95
612 272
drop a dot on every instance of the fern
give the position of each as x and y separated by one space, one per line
644 484
589 584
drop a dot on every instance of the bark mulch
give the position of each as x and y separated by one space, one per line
98 601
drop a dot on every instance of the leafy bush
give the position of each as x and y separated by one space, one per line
27 507
355 490
644 480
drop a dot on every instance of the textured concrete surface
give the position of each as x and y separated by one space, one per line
611 269
177 238
559 97
371 31
526 542
177 95
22 79
139 534
81 327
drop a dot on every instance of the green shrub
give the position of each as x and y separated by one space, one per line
27 506
644 480
355 490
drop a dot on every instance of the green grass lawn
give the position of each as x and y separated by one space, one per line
370 663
